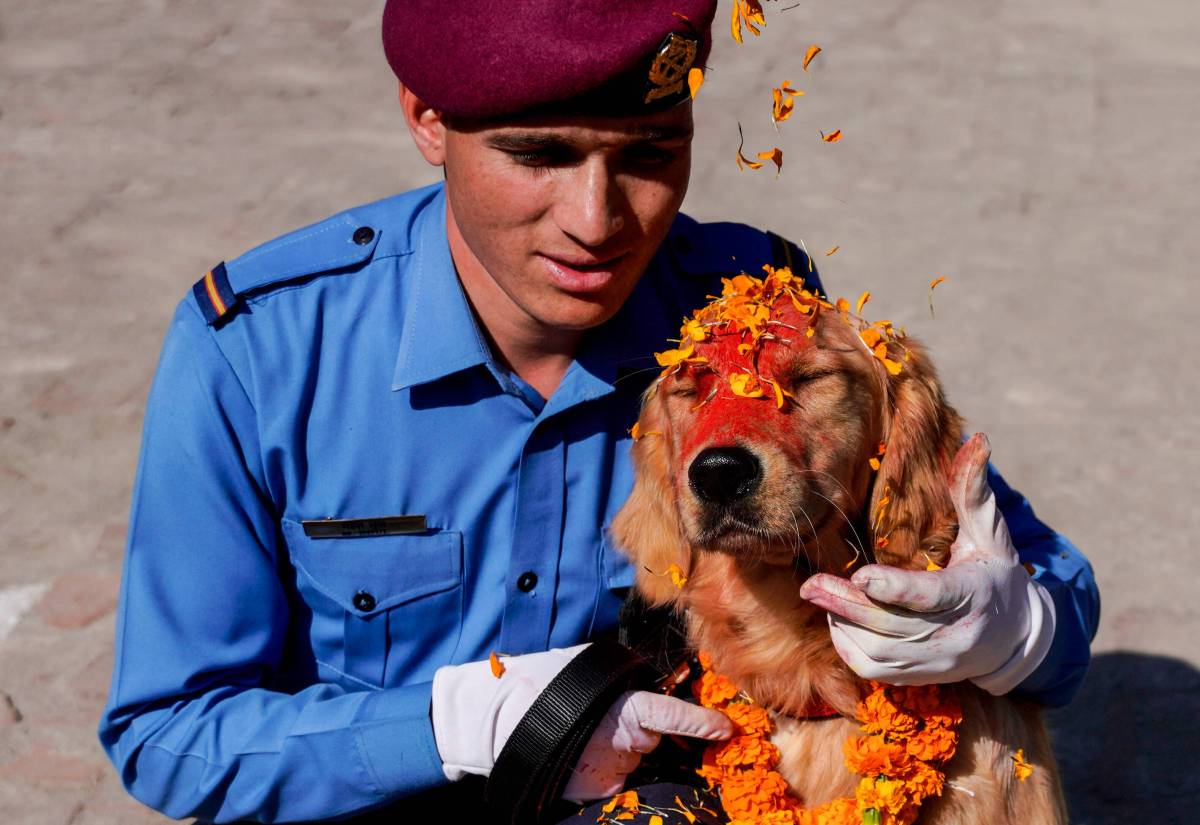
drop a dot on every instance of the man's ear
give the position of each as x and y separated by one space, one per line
426 125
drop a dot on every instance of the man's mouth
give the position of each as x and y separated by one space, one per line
578 274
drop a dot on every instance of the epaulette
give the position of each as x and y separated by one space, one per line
334 244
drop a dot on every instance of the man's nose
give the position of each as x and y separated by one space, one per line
592 211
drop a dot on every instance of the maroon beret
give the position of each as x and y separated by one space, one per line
505 57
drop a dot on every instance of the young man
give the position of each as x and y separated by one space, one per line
384 446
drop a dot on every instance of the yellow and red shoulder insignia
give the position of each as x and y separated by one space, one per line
214 294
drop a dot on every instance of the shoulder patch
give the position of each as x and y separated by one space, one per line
336 243
213 295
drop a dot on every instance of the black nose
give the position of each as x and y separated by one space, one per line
723 475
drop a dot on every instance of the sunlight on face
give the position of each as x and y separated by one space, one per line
563 214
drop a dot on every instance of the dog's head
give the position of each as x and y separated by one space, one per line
763 444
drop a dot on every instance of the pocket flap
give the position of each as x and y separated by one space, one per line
390 570
618 569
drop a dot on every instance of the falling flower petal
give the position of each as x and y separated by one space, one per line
496 664
831 250
932 285
695 81
743 161
776 157
832 137
862 300
812 52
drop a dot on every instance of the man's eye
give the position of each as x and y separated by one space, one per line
538 158
651 155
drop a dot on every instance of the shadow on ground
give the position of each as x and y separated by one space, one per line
1127 745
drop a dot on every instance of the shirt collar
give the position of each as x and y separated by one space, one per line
440 335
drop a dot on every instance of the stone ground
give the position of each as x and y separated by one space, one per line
1042 156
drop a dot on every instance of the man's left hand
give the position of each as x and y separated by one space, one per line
982 618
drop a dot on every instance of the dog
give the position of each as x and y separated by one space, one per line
787 437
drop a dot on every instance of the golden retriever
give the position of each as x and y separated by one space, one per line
750 497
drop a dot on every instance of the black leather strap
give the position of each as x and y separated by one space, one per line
535 763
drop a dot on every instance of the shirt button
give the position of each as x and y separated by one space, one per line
364 601
527 582
364 235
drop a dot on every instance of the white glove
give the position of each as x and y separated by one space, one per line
474 713
982 618
633 726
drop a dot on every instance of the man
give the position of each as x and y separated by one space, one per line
385 446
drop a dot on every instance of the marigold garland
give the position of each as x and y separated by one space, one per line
907 733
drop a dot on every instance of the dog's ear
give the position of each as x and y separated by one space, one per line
923 433
647 527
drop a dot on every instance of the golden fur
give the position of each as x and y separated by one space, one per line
741 600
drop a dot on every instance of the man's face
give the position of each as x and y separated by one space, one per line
563 214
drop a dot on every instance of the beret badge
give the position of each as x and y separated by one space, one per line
670 67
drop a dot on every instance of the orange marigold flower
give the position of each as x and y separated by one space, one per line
750 719
713 689
874 755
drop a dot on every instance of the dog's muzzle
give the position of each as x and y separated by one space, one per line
724 475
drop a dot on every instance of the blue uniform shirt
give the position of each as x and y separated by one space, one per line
263 673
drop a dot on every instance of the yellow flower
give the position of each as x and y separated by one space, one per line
1021 769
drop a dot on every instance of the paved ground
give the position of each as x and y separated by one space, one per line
1041 156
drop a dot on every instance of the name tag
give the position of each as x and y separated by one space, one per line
345 528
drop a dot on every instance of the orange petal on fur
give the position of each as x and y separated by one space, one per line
832 137
1021 769
893 367
677 576
810 332
674 356
497 665
636 430
874 462
695 80
744 385
932 566
812 52
871 337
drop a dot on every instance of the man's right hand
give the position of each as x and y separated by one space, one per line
474 713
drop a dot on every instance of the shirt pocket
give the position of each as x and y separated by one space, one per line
385 610
616 574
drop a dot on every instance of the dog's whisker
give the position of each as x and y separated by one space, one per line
857 538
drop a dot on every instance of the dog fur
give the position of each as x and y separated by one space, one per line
812 512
